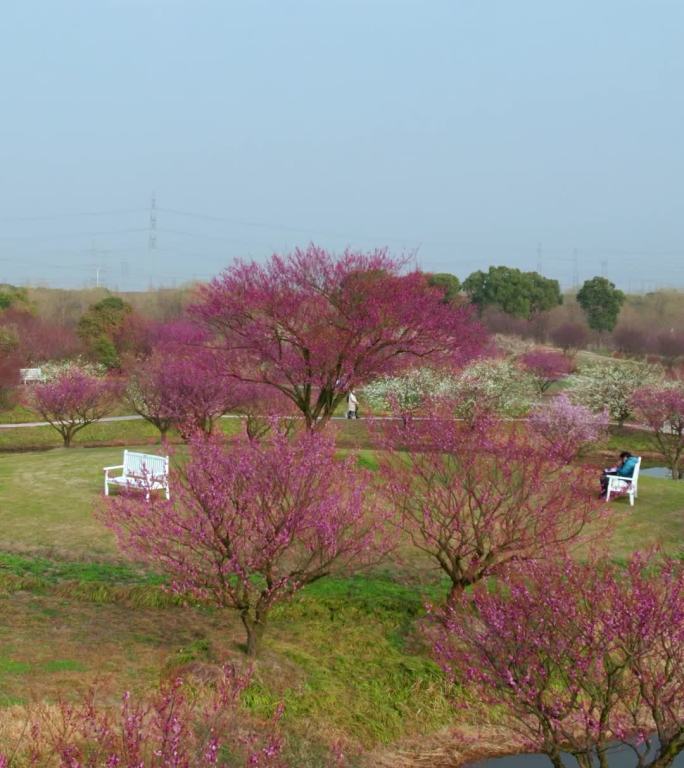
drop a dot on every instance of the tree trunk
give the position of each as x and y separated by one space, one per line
669 751
455 591
255 631
555 757
583 759
603 757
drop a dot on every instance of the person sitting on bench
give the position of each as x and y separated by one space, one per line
624 468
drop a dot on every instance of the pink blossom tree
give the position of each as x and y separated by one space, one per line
147 394
314 325
475 498
661 408
264 408
577 654
567 428
73 400
546 367
248 527
194 391
183 387
180 383
174 728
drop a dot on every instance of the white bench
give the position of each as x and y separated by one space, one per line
144 471
629 485
31 374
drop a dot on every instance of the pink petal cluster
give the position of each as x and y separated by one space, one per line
566 428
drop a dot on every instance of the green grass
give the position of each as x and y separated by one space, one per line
17 415
104 433
54 571
629 439
109 432
656 519
47 500
346 656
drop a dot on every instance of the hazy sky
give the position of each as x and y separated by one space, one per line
476 132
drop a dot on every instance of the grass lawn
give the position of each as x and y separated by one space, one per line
47 500
346 656
116 433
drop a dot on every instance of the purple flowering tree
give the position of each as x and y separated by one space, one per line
73 400
661 408
577 655
475 497
546 367
313 325
250 526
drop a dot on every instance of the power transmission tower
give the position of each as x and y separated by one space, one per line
575 269
152 238
96 254
604 268
539 258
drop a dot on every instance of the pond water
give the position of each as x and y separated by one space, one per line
619 756
664 472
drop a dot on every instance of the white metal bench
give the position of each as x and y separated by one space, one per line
31 374
629 485
144 471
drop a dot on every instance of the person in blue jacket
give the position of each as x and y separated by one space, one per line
624 468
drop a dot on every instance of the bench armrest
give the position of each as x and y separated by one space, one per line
117 466
620 477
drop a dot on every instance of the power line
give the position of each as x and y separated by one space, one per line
78 214
56 235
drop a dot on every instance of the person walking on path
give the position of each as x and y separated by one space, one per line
352 406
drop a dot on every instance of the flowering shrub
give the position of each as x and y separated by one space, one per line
609 386
53 369
408 393
176 728
567 428
495 385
